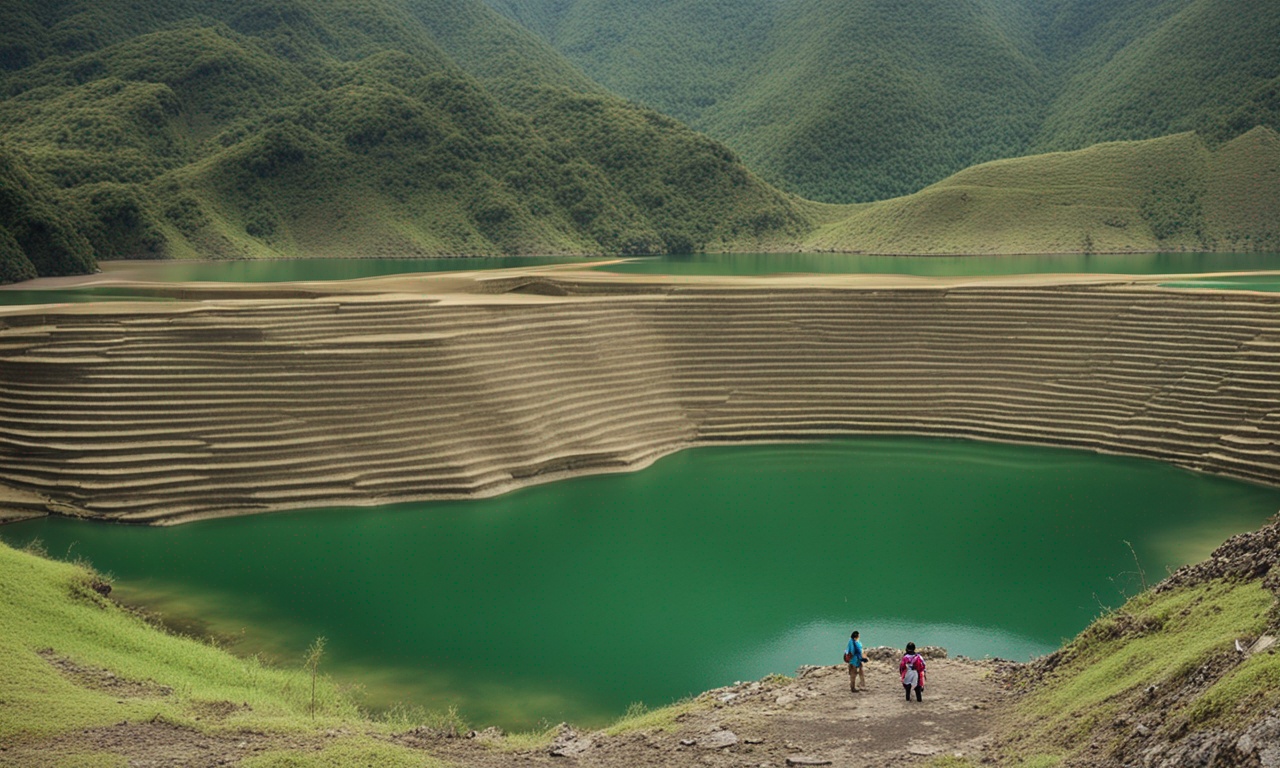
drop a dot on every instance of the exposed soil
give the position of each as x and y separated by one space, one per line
100 679
812 720
155 744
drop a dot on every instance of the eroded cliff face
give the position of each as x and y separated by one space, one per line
1216 705
161 413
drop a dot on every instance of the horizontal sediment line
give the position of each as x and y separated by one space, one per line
164 413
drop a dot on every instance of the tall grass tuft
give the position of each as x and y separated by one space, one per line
312 665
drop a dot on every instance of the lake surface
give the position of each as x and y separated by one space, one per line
949 266
570 601
289 270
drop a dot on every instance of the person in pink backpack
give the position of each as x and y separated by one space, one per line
912 670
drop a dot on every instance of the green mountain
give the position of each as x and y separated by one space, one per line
859 100
1138 70
381 127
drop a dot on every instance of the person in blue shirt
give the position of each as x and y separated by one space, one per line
856 662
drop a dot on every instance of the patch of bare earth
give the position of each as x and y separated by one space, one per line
156 744
812 720
99 679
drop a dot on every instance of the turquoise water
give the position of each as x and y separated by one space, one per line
1239 283
263 271
287 270
949 266
572 600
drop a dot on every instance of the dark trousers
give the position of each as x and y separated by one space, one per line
919 690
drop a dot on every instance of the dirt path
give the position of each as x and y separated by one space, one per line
812 720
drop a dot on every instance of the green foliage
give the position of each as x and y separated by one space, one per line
379 127
1173 207
120 221
1149 69
14 264
52 621
859 100
46 239
1156 640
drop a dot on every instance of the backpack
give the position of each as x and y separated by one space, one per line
911 677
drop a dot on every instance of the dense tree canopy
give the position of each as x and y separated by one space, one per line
856 100
327 127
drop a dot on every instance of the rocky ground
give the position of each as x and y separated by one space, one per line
812 720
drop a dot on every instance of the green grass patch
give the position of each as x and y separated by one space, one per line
1154 640
1251 688
641 718
345 753
71 659
57 635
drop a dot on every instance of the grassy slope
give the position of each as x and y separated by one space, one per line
383 127
1173 193
50 615
1165 662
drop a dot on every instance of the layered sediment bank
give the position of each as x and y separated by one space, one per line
242 399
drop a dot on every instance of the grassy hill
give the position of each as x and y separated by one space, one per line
1168 194
382 127
845 101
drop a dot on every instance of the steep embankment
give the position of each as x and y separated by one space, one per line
1185 674
384 127
169 412
1169 194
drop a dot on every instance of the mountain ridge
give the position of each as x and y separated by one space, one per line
810 92
280 127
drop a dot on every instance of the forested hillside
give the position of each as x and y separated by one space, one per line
161 128
858 100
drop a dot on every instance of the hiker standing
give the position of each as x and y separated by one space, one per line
853 655
912 670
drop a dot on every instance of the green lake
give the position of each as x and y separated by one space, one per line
286 270
569 601
949 266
